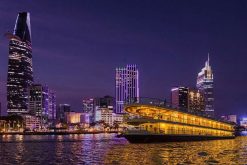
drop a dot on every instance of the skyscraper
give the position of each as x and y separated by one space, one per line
205 85
179 98
51 105
87 105
61 110
38 100
187 99
196 101
104 101
127 86
88 108
20 71
42 102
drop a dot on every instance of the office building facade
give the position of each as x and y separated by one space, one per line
20 70
179 98
229 118
205 82
127 86
104 101
61 110
106 114
51 105
196 103
38 101
188 100
88 107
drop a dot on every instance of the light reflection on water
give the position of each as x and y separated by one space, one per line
107 149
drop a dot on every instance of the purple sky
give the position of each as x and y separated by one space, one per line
78 44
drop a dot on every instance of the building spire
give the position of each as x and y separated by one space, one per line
208 58
207 62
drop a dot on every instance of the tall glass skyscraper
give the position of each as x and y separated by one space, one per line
20 71
127 86
205 82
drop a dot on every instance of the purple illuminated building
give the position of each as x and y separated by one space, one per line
88 108
127 86
51 105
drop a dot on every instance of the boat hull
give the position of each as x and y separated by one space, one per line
136 138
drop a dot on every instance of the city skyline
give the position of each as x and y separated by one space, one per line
163 62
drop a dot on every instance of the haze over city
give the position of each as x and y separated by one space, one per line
77 46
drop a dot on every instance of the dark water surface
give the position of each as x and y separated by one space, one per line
107 149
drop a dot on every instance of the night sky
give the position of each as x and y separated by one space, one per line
78 44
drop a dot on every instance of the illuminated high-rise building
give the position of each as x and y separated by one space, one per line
51 105
205 85
188 100
42 102
38 100
196 103
179 98
127 86
20 70
88 108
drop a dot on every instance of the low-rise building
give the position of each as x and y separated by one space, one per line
117 118
106 114
230 118
73 117
243 122
32 122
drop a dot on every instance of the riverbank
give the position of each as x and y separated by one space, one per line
55 133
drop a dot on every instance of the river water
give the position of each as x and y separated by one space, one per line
107 149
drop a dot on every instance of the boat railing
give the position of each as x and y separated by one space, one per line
142 130
176 119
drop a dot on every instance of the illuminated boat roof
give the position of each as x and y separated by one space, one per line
156 108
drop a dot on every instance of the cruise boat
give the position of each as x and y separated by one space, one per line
152 122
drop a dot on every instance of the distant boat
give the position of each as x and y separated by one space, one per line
148 123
